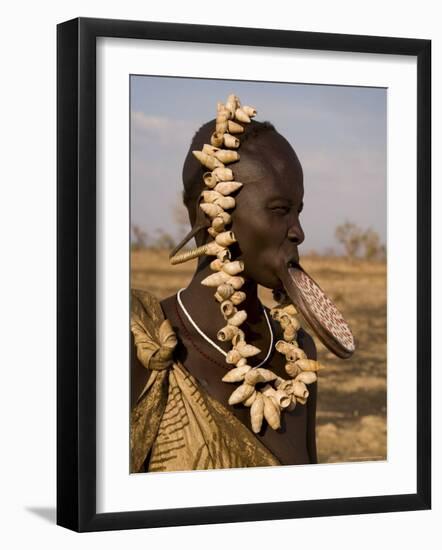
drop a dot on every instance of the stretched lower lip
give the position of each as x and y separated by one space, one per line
284 274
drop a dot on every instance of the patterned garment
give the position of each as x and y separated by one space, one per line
175 424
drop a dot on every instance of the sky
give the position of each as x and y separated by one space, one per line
339 134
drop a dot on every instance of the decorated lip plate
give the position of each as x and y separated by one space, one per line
320 312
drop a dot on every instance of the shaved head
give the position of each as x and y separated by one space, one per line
193 170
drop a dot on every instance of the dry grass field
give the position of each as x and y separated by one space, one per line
351 413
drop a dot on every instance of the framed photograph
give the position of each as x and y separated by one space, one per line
244 258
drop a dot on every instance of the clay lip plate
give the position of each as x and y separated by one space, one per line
319 311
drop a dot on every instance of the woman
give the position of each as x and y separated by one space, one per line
184 415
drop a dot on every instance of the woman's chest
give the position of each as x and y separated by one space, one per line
289 442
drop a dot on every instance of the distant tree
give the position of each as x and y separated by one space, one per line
139 238
351 237
383 252
371 244
181 218
163 241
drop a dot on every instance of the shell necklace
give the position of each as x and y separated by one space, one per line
266 393
212 343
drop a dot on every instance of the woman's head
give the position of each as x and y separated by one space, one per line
265 219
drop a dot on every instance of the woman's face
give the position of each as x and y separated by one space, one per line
265 219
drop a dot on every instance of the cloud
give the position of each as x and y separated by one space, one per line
144 122
160 128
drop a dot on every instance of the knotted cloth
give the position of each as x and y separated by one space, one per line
154 355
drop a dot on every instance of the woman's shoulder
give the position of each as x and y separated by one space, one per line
153 335
307 343
146 318
143 302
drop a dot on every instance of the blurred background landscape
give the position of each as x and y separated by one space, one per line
339 134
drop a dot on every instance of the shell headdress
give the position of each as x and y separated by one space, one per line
266 393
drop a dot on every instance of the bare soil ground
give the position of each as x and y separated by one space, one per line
351 413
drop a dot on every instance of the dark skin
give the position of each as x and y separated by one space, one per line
266 224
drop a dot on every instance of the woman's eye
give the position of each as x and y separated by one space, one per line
280 209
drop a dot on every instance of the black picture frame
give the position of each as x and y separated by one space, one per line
76 273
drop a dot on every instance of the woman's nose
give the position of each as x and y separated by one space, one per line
296 233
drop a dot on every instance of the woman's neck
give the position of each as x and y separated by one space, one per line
205 311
